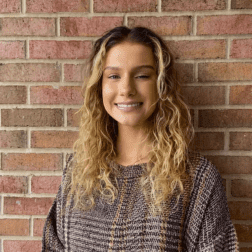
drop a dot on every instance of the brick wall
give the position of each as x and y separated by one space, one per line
43 45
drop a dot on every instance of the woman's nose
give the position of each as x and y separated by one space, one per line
127 86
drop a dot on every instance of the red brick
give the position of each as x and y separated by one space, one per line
73 72
184 72
163 25
199 49
233 24
83 26
13 94
32 117
22 246
73 120
222 71
204 95
125 6
225 118
27 206
52 6
9 227
11 184
240 210
241 48
13 139
232 164
38 227
45 184
244 232
49 49
27 72
12 50
241 4
208 141
10 6
27 27
53 139
241 188
59 95
192 5
241 141
240 95
31 162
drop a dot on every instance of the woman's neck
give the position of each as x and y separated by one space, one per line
132 147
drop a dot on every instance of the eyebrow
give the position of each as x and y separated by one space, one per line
135 68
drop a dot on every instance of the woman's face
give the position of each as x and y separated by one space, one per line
129 75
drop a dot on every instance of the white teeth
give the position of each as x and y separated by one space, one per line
131 105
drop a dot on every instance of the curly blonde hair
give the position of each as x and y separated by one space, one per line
170 133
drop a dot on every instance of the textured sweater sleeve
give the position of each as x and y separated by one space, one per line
53 235
217 232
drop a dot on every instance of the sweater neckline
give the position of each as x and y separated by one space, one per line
128 171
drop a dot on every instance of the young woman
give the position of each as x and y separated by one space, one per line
132 184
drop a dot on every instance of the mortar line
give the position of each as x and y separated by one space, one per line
227 153
28 101
34 173
76 129
70 150
227 94
23 6
57 26
62 77
79 61
65 116
2 204
229 5
247 177
194 25
196 71
165 37
41 84
28 139
118 14
21 238
31 226
38 150
125 20
159 6
91 6
226 140
29 184
27 48
29 196
228 49
37 106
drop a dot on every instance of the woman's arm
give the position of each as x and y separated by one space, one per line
217 232
53 232
51 241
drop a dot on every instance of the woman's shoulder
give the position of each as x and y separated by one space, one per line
202 170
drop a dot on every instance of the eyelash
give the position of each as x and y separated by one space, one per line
142 76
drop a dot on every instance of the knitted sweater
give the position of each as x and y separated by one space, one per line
200 221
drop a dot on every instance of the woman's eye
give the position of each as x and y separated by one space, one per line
143 76
113 76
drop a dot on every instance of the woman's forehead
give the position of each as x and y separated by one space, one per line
128 54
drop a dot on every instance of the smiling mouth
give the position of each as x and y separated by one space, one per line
139 103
